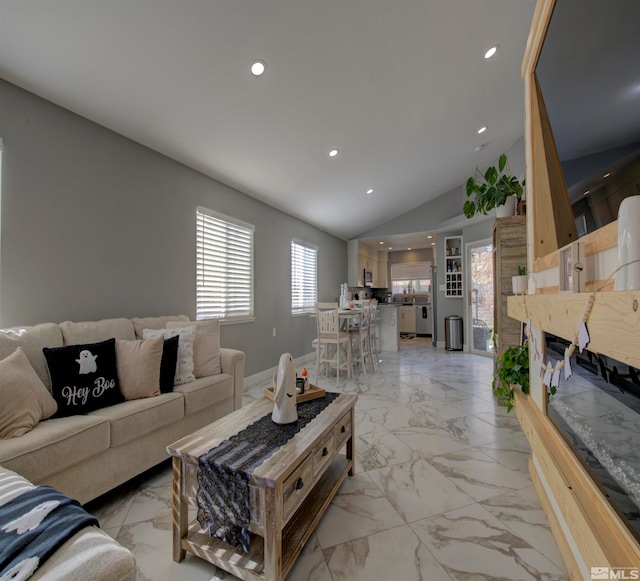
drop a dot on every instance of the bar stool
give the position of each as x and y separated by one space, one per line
361 333
329 334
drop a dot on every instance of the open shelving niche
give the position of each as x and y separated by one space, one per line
453 266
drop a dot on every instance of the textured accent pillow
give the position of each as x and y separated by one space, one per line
24 400
84 378
139 367
184 367
142 323
206 347
168 364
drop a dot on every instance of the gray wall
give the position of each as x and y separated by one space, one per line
418 255
95 225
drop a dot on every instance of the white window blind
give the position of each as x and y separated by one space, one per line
304 276
224 256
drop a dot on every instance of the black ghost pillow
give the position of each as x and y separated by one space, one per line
84 378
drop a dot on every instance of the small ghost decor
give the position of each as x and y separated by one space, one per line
284 403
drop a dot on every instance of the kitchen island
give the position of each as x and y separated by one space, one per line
387 327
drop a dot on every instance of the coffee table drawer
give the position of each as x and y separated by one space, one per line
297 485
342 430
322 454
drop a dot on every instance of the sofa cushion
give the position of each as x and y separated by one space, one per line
24 400
205 392
83 377
142 323
135 418
54 445
184 366
32 340
206 347
168 364
95 331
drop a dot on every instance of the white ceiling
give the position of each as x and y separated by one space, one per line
400 87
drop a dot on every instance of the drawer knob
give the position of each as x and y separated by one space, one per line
343 429
325 451
299 484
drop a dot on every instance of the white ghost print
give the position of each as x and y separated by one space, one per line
31 520
87 362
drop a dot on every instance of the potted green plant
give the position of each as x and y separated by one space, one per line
512 371
492 189
519 282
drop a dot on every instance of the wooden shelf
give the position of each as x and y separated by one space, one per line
614 323
295 534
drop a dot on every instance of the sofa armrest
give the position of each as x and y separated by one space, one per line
232 362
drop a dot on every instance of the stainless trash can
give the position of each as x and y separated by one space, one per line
453 333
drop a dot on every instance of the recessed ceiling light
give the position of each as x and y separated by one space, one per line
586 193
333 153
429 236
390 247
433 244
606 175
258 68
370 191
409 248
482 129
381 242
491 52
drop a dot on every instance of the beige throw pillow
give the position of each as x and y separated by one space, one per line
206 347
138 365
184 367
24 400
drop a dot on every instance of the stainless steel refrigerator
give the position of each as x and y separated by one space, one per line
434 305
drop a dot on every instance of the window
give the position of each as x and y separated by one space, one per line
411 277
224 270
304 276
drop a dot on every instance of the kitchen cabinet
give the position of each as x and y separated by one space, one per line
361 257
383 269
408 319
388 327
453 266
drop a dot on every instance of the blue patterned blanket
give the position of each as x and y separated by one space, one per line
33 525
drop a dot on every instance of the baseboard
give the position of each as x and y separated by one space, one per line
267 374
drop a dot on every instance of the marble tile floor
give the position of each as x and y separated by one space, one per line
441 490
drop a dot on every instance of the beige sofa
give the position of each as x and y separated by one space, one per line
88 555
85 456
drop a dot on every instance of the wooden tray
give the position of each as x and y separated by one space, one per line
313 392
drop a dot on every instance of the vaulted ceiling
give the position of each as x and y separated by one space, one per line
399 87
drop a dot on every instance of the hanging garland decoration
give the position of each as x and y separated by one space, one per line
550 371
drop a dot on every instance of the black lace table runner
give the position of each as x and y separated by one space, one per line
225 471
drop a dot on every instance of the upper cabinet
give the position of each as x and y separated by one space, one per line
361 257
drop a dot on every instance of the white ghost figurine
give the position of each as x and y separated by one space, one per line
87 362
284 403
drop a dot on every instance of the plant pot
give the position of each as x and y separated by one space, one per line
519 284
508 209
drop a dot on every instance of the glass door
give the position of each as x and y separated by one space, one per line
480 296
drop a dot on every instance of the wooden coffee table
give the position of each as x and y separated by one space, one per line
289 492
